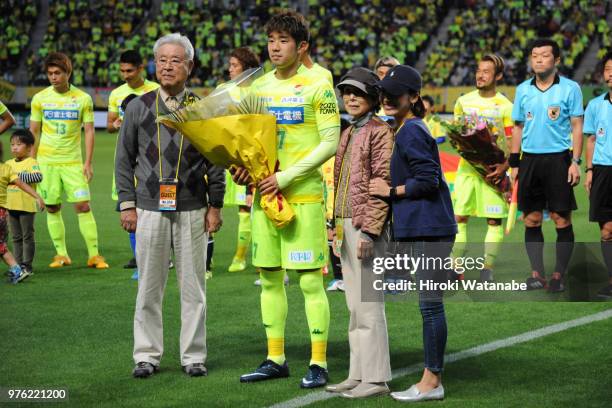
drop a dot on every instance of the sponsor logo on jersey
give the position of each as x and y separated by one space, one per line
300 256
49 105
71 105
292 99
328 108
328 94
57 114
288 115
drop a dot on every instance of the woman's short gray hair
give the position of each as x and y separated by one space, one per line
386 62
178 39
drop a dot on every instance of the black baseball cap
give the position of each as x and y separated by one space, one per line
400 80
361 78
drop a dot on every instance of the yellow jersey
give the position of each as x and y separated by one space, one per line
62 116
497 111
118 94
17 199
7 176
304 105
3 108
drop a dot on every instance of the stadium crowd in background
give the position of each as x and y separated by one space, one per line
16 19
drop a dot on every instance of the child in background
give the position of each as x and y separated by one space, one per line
8 176
21 206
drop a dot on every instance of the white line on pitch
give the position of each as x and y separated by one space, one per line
461 355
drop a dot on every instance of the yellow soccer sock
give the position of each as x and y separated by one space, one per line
89 231
274 312
317 314
57 231
493 240
244 235
460 240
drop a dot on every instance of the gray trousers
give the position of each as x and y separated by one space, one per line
368 338
21 224
157 234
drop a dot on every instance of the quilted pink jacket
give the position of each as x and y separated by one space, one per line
370 159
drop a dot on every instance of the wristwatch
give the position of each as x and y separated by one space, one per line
578 161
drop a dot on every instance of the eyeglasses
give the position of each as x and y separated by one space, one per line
173 62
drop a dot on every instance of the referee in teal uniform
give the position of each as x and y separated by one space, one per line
598 128
548 118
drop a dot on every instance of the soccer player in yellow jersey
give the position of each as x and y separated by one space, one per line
473 196
58 113
308 126
131 70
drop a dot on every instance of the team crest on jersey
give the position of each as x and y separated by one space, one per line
529 116
601 132
298 89
553 112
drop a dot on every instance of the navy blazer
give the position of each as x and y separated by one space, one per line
426 209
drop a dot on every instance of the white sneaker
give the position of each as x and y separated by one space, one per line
336 285
413 394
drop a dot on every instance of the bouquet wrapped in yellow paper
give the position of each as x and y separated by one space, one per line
232 127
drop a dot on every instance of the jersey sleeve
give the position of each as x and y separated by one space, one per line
2 108
576 108
88 112
112 103
507 115
36 110
518 114
589 120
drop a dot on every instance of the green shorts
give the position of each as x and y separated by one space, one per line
234 194
300 245
474 197
60 178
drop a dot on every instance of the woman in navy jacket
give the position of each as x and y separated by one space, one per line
422 213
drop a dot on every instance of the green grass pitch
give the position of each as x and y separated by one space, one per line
72 328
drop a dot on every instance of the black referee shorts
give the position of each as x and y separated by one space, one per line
543 183
601 194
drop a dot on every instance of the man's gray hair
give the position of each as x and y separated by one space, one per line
178 39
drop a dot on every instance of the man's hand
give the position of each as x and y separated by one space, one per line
269 186
88 171
573 174
379 188
513 174
248 201
213 220
117 123
41 203
497 171
129 219
240 175
588 182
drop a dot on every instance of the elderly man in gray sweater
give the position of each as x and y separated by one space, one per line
171 196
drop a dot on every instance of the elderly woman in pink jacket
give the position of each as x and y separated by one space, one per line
363 154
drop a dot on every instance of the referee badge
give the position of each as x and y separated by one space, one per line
601 132
553 112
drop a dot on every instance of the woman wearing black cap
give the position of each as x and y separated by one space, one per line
422 213
363 154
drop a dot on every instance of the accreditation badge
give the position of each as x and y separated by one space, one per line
167 194
339 229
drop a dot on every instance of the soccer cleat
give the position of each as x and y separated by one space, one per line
315 377
144 370
238 265
486 275
135 275
605 293
25 274
336 285
268 370
555 285
535 281
131 264
97 262
59 261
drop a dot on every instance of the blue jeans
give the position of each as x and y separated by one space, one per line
434 334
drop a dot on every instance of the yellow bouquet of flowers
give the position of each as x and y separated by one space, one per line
232 127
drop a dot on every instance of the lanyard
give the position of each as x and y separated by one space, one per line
178 166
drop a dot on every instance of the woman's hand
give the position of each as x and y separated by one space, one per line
380 188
